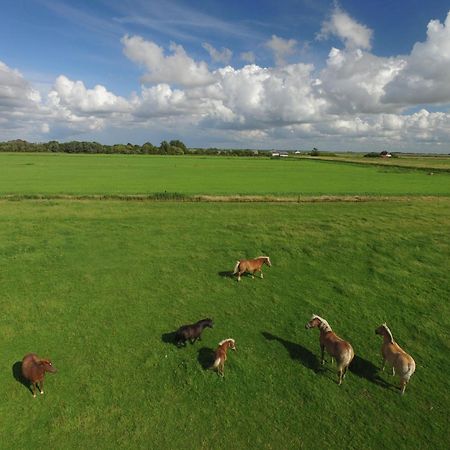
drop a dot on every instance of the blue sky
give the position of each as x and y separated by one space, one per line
288 74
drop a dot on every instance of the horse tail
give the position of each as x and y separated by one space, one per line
236 267
216 363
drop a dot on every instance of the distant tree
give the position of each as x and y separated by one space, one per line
179 144
315 152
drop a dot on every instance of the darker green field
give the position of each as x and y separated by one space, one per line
97 285
50 174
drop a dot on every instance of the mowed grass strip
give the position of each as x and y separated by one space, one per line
47 174
96 286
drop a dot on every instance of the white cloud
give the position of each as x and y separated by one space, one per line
354 81
352 33
426 76
281 48
223 56
177 68
75 95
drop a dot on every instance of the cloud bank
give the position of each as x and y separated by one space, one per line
356 96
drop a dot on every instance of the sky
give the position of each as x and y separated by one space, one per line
288 74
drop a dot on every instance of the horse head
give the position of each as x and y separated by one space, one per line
314 322
47 365
267 261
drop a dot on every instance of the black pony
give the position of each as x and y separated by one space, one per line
192 332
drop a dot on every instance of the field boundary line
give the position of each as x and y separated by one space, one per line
177 197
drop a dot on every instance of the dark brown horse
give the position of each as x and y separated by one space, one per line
402 364
336 347
220 355
192 332
33 370
251 266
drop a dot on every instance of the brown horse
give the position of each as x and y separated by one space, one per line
251 266
336 347
401 362
34 368
220 355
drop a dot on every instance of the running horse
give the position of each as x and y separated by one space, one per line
220 355
401 362
33 370
251 266
336 347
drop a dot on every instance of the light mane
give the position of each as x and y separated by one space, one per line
324 325
226 340
388 332
262 257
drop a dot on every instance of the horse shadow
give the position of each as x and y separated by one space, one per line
367 370
17 374
296 352
226 274
169 338
206 357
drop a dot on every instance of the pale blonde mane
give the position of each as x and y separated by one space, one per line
324 325
226 340
388 332
263 257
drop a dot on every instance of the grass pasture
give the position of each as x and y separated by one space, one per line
97 285
52 174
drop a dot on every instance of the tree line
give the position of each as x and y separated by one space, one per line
174 147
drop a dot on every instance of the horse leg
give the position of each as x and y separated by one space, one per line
239 275
403 385
341 376
393 371
383 365
41 386
322 355
33 389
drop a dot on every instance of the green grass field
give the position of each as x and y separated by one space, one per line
97 285
50 174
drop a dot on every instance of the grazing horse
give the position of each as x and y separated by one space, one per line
336 347
192 332
34 368
220 355
251 266
402 364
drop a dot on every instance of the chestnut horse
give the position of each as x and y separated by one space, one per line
220 355
401 362
251 266
336 347
33 370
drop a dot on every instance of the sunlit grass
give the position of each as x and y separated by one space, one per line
96 285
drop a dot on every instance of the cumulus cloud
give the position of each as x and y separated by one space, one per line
75 95
425 77
354 81
356 97
352 33
223 56
281 48
177 68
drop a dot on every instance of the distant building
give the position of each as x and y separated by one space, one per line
385 154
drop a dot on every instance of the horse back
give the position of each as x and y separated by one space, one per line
31 369
339 349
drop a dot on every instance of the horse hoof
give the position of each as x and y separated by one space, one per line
34 395
42 393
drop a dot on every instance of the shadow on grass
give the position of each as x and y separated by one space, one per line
365 369
206 357
226 274
17 374
169 338
296 351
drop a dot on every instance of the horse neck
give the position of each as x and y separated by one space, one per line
387 338
324 328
